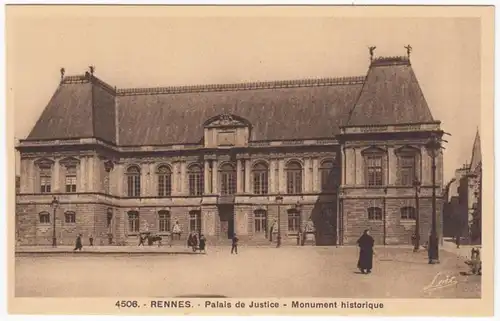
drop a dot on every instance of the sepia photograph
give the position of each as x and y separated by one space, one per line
175 158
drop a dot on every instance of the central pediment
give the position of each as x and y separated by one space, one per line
226 120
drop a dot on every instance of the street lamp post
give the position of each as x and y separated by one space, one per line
434 145
416 184
279 200
55 204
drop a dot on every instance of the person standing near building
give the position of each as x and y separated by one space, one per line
78 243
365 261
234 247
91 240
176 230
203 243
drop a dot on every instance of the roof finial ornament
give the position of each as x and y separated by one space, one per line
91 69
408 51
62 73
372 51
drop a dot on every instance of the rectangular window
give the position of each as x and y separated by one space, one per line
164 185
228 183
407 170
195 221
133 222
375 214
45 180
70 217
293 221
294 181
196 183
408 213
164 222
374 170
260 182
260 221
70 181
134 185
44 218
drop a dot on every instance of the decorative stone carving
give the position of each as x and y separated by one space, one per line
69 162
309 227
44 162
226 120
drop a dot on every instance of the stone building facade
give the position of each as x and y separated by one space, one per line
462 207
342 152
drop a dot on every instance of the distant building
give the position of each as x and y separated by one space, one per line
462 196
343 153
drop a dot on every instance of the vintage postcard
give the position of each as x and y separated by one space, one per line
250 160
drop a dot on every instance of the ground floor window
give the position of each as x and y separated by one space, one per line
133 221
70 217
164 221
195 221
374 213
260 221
408 213
293 221
44 218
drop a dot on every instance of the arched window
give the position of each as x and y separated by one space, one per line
293 220
195 221
45 172
260 178
260 221
408 213
70 217
328 179
374 213
164 181
133 221
134 181
228 179
44 218
70 180
196 180
294 178
163 221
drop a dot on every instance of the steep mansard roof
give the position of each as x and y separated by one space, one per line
84 106
476 157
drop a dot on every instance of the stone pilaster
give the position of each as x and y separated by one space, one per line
82 177
239 176
272 176
206 176
281 176
215 172
390 167
184 180
315 173
248 170
56 180
91 173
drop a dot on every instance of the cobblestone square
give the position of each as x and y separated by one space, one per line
254 272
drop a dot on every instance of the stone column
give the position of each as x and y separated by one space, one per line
90 172
281 176
56 184
153 190
390 167
32 176
215 172
184 190
315 179
272 177
247 176
239 176
119 179
206 177
342 167
82 177
358 167
24 176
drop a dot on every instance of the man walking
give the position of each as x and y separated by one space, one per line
234 247
78 245
91 240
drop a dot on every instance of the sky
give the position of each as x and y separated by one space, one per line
160 49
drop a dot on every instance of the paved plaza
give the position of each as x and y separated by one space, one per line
254 272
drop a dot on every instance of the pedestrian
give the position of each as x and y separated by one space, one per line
234 247
190 240
365 261
195 242
203 243
91 240
457 241
141 240
78 243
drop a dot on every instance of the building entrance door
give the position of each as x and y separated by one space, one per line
226 215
